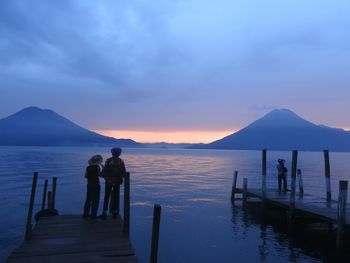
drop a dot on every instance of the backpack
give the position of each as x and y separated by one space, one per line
113 170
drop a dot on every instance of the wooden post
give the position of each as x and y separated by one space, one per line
292 194
245 190
44 196
327 174
342 200
233 191
155 233
300 180
49 200
126 227
53 201
30 209
263 172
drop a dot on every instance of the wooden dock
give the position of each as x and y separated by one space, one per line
70 238
298 203
313 206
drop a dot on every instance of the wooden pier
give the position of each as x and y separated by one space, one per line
73 238
298 203
310 205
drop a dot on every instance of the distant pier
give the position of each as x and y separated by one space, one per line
296 202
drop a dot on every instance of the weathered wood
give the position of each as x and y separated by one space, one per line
49 200
293 184
327 174
43 202
70 238
126 226
155 234
342 200
300 180
312 206
234 186
263 172
30 209
53 200
245 190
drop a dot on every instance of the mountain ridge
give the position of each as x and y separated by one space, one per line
33 126
282 129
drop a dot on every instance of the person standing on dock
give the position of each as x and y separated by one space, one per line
282 175
92 173
113 172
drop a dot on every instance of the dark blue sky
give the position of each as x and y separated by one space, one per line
176 65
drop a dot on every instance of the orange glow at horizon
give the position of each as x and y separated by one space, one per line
201 136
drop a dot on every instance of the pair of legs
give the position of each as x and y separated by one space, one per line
92 200
111 198
282 178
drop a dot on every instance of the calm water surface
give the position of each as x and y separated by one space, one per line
198 223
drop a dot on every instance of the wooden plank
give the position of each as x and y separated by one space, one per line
70 238
311 205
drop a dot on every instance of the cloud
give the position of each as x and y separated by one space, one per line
172 64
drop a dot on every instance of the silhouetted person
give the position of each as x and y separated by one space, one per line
113 172
282 175
92 173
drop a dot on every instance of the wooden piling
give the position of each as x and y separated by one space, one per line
245 190
126 226
234 186
293 184
53 201
49 200
30 209
300 180
327 175
342 200
155 233
263 172
43 202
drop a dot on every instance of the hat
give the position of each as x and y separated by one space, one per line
116 151
95 160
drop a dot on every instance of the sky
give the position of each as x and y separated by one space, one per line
176 70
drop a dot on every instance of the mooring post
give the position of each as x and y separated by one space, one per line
233 191
245 190
342 200
54 182
300 180
263 172
155 233
49 200
30 209
126 227
44 196
327 174
292 194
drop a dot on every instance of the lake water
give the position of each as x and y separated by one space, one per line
198 222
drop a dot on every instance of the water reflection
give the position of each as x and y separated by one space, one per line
307 240
193 186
